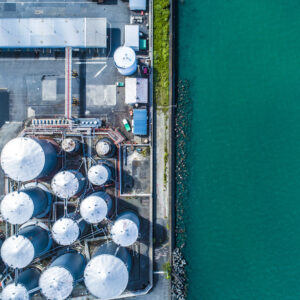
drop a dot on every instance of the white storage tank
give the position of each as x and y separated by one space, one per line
32 241
58 280
70 145
105 148
68 230
24 159
20 207
125 230
106 275
99 174
125 60
27 281
66 184
95 207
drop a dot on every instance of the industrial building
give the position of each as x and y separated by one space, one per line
76 206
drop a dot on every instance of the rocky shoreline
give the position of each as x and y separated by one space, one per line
182 129
179 287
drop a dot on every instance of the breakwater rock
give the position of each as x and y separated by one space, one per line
178 276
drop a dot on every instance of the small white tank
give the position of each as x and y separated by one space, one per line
125 60
68 230
32 241
66 184
105 147
95 207
58 280
125 230
70 145
99 174
19 207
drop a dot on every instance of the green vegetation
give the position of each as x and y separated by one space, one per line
145 152
161 53
167 269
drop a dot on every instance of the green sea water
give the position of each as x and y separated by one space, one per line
242 211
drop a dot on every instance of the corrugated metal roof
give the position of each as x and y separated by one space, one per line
136 90
140 120
137 4
53 32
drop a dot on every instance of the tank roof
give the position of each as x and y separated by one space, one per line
17 207
65 184
124 57
93 209
17 251
15 292
65 231
124 232
23 159
106 276
56 283
99 174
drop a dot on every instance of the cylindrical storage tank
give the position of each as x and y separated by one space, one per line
66 184
106 275
95 207
68 230
125 230
58 280
24 159
99 174
27 281
2 265
105 148
125 60
33 240
70 145
19 207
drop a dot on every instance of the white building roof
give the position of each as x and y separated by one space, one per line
132 36
137 4
53 32
136 90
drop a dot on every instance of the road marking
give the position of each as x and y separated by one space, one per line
100 71
90 62
159 272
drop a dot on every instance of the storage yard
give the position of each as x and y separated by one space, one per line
76 178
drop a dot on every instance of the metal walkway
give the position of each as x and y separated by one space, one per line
68 82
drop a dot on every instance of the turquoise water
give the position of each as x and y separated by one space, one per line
242 212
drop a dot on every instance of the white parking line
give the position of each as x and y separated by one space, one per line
100 71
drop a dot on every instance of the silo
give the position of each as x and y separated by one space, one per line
2 265
125 60
19 207
24 159
106 275
58 280
68 230
105 148
125 230
66 184
99 174
95 207
27 281
32 241
70 145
